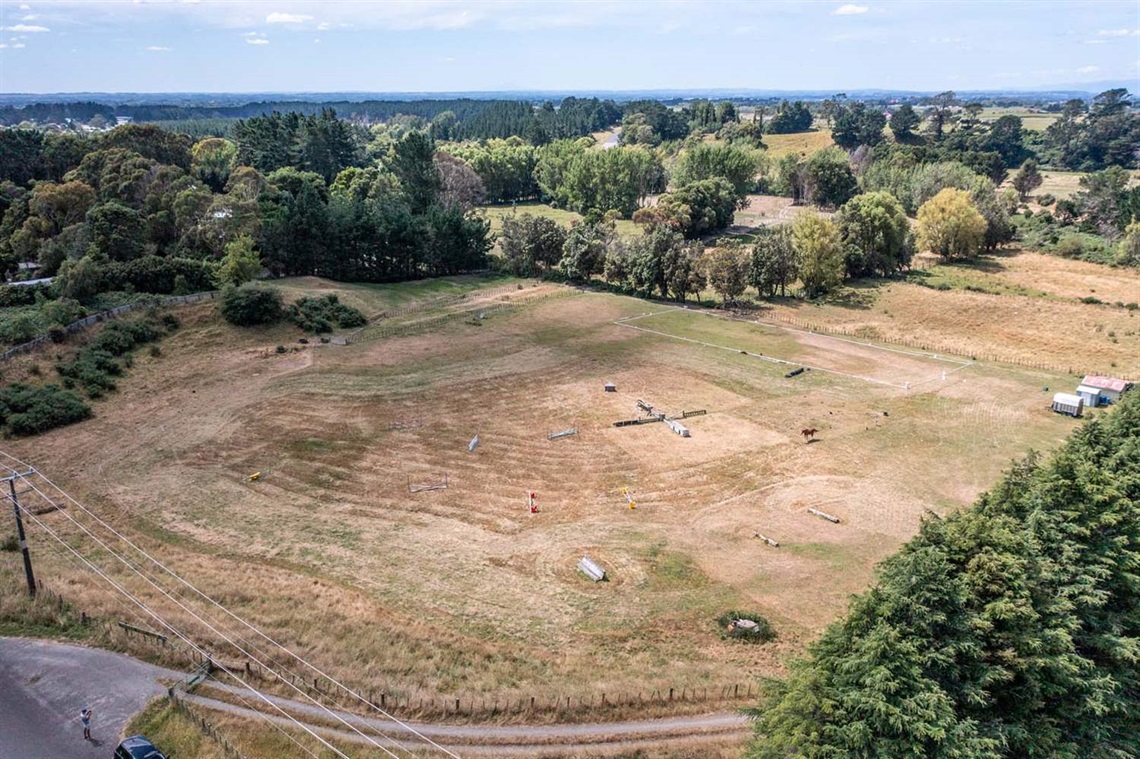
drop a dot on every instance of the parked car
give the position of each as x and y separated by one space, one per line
138 747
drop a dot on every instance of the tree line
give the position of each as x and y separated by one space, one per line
145 209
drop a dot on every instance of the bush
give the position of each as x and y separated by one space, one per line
95 366
25 295
26 410
1070 247
762 633
1046 200
324 313
250 306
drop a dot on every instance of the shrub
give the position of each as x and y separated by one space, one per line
1046 200
155 351
322 314
95 366
250 306
1070 247
170 322
1091 300
26 410
762 633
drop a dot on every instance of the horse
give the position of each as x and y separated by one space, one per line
809 433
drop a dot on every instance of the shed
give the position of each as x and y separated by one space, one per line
611 387
1110 388
1090 395
1065 403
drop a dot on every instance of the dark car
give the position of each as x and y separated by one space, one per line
137 747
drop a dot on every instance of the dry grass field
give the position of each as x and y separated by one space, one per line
462 591
800 142
1031 118
495 214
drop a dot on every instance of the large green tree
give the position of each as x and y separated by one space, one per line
876 235
819 253
858 124
950 225
708 161
828 178
772 263
530 243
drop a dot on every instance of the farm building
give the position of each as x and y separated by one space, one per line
1066 403
1101 391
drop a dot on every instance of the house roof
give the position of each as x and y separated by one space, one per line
1106 383
1087 389
1067 399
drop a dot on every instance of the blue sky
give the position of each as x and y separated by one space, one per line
446 45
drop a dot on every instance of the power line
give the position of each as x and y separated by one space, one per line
359 697
213 629
178 634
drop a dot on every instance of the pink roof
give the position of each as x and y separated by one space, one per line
1106 383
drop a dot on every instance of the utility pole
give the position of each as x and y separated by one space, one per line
20 530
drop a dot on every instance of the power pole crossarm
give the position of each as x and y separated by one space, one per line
20 533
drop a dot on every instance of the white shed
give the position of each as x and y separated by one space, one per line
1064 403
1090 395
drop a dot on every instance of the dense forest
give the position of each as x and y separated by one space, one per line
1011 629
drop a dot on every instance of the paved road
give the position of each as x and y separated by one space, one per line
43 685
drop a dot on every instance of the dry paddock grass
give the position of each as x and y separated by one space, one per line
1047 324
461 591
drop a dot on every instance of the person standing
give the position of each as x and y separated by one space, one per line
85 718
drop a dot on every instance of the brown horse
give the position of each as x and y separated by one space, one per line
809 433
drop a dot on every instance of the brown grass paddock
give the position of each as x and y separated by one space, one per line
462 593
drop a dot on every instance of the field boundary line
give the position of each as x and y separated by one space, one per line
769 359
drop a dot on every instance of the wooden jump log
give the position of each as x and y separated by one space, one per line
631 422
766 539
794 372
564 433
697 412
824 515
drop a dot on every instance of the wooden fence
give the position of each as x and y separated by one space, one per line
82 324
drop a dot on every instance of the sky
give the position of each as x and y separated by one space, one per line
586 45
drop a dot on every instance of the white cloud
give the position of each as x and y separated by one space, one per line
324 26
25 7
1119 32
1088 69
157 49
850 9
29 17
317 41
1094 42
24 28
256 41
287 18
